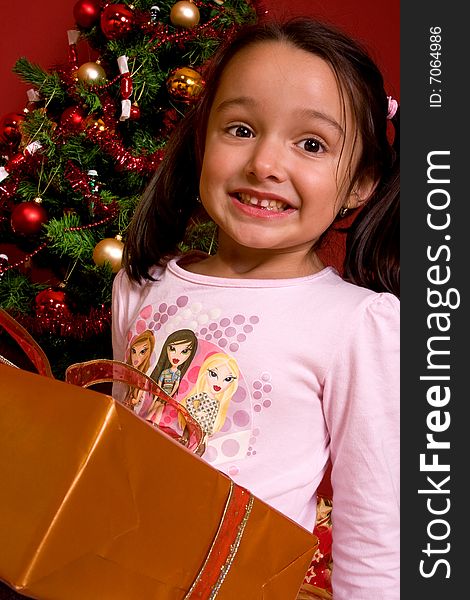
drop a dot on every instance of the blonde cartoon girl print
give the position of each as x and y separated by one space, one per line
209 399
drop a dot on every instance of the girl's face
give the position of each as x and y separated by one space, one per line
179 353
218 378
139 353
271 171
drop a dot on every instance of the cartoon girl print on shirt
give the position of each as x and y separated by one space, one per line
175 358
209 399
140 352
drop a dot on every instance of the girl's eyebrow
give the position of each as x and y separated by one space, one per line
311 113
239 101
308 113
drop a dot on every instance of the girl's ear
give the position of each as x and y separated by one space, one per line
361 193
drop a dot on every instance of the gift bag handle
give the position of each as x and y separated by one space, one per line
26 343
93 372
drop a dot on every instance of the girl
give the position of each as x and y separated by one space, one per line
175 358
208 401
291 135
140 353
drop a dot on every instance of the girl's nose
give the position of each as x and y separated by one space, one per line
267 161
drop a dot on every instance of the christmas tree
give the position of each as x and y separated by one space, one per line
75 162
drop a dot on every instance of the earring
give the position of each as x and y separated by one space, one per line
343 211
198 200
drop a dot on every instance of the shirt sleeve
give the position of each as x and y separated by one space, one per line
361 406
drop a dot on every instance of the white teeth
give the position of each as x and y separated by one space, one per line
275 205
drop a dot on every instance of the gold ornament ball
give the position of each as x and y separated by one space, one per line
109 250
184 84
185 14
91 73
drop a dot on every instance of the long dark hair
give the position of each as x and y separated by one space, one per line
181 336
168 204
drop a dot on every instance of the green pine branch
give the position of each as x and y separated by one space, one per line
48 84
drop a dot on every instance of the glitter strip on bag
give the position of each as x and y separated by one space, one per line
225 545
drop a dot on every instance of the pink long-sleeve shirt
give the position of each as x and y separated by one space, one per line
317 377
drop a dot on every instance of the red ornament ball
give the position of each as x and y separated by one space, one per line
52 303
10 133
27 218
73 118
86 12
16 163
135 113
116 21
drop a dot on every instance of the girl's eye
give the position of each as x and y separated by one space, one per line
212 373
312 145
240 131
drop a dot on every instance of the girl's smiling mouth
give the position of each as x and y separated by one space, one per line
261 204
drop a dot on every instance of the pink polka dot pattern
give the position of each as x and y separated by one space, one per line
261 387
192 374
227 333
233 470
241 418
210 454
230 447
146 312
140 327
240 395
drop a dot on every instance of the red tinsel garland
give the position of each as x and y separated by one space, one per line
111 144
76 327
